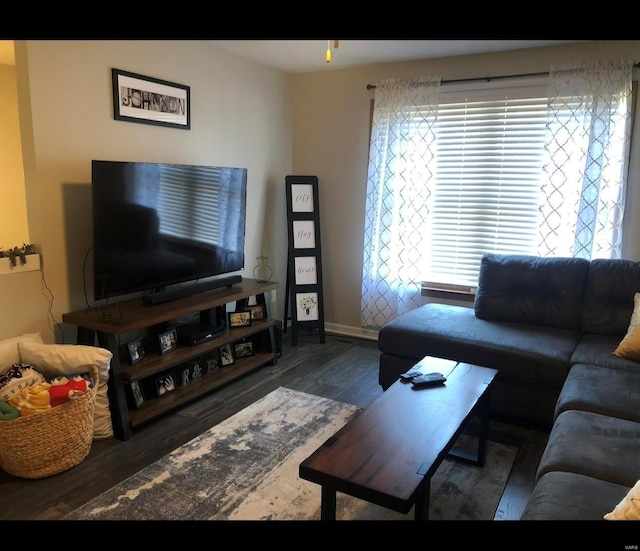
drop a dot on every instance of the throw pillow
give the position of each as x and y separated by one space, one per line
629 507
9 353
629 347
54 360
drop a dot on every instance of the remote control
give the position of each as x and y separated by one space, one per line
413 372
428 379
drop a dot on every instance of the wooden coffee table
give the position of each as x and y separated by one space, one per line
389 452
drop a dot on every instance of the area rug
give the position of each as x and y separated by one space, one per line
246 468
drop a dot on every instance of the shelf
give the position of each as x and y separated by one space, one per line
118 318
198 387
113 319
31 265
154 363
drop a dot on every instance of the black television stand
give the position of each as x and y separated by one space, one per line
189 290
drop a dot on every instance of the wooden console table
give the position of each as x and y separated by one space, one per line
134 315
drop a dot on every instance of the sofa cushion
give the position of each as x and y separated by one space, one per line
531 290
629 507
598 350
594 445
608 297
629 346
562 495
526 353
601 390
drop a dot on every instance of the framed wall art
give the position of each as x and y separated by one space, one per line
305 270
304 234
307 306
304 257
302 198
148 100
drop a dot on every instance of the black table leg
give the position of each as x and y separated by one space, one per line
328 506
422 503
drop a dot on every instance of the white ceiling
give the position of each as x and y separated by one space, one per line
298 56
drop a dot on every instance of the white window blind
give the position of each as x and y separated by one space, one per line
489 162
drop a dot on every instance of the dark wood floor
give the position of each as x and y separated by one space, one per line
342 368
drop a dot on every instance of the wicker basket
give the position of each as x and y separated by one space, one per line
51 442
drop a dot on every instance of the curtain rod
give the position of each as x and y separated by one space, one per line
488 79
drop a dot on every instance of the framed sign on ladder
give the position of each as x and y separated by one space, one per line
304 258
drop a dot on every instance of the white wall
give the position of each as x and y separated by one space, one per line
240 117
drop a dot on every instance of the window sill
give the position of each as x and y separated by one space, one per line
32 265
450 292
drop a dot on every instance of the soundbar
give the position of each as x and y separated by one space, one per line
174 294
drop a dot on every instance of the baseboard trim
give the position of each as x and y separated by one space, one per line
348 331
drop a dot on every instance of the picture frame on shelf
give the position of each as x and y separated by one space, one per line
168 341
148 100
243 349
241 318
226 355
165 384
137 396
257 311
136 350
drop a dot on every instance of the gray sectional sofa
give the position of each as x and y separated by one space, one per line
550 327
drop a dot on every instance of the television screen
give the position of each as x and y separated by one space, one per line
160 224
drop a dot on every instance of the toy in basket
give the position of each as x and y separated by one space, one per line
50 442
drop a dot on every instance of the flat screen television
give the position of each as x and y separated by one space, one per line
156 225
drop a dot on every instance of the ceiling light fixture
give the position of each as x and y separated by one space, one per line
327 55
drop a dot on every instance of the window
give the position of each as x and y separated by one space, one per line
529 165
489 152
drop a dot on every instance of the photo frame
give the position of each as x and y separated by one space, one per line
241 318
257 312
136 350
226 355
307 306
137 396
305 270
165 384
243 349
167 341
148 100
302 198
304 234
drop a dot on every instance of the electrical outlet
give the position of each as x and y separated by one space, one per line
273 295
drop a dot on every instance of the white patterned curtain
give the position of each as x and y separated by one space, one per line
587 151
399 184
